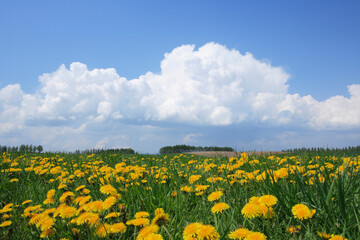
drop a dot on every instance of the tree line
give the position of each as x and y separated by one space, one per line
22 148
187 148
106 151
347 150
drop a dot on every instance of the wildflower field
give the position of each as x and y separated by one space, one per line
69 196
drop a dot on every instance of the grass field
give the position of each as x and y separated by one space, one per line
69 196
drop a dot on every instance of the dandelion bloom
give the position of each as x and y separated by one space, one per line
109 202
67 212
138 222
301 211
102 230
323 235
118 228
145 231
159 211
215 196
267 212
250 210
186 189
142 214
47 233
255 236
337 237
174 193
194 178
239 234
219 207
49 201
293 229
160 219
153 236
6 223
112 214
79 188
67 196
50 193
46 224
191 230
207 232
268 200
108 189
26 201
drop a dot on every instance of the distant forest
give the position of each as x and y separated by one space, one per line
106 151
187 148
29 148
347 150
22 149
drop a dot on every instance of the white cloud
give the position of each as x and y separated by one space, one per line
191 137
211 86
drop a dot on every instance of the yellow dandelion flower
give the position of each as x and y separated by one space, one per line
239 233
293 229
160 219
174 193
102 230
79 188
254 200
159 211
95 206
194 178
267 212
14 180
118 228
4 210
85 191
250 210
50 193
67 196
47 223
337 237
154 236
190 231
219 207
84 200
323 235
6 223
138 222
301 211
108 189
109 202
186 189
145 231
207 232
268 200
9 205
49 201
62 186
142 214
67 212
200 188
47 233
26 201
112 214
255 236
214 196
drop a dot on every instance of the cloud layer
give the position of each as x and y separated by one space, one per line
209 86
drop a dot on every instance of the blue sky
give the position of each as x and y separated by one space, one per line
306 54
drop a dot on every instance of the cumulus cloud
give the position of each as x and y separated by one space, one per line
211 86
